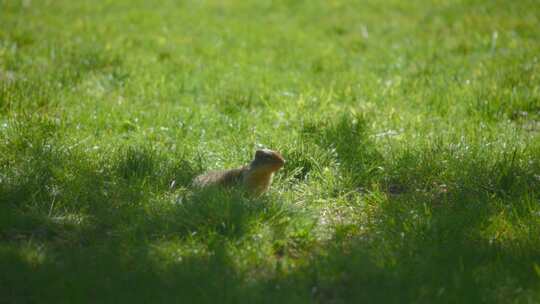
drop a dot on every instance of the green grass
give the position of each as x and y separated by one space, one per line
410 129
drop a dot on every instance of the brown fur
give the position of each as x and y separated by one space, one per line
255 177
223 178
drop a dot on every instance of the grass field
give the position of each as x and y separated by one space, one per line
410 129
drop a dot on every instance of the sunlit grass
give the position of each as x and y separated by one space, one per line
410 131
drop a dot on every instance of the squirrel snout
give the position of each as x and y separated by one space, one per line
280 160
280 164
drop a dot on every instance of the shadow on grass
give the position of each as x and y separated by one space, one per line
113 271
461 229
77 230
97 243
106 254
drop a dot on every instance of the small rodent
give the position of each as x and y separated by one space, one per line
256 177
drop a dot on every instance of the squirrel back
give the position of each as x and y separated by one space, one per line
220 177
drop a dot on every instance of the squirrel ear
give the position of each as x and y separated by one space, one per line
259 153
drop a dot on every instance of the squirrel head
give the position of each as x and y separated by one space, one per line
268 159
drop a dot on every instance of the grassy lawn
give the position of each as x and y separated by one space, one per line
411 131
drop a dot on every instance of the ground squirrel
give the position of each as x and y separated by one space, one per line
255 177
